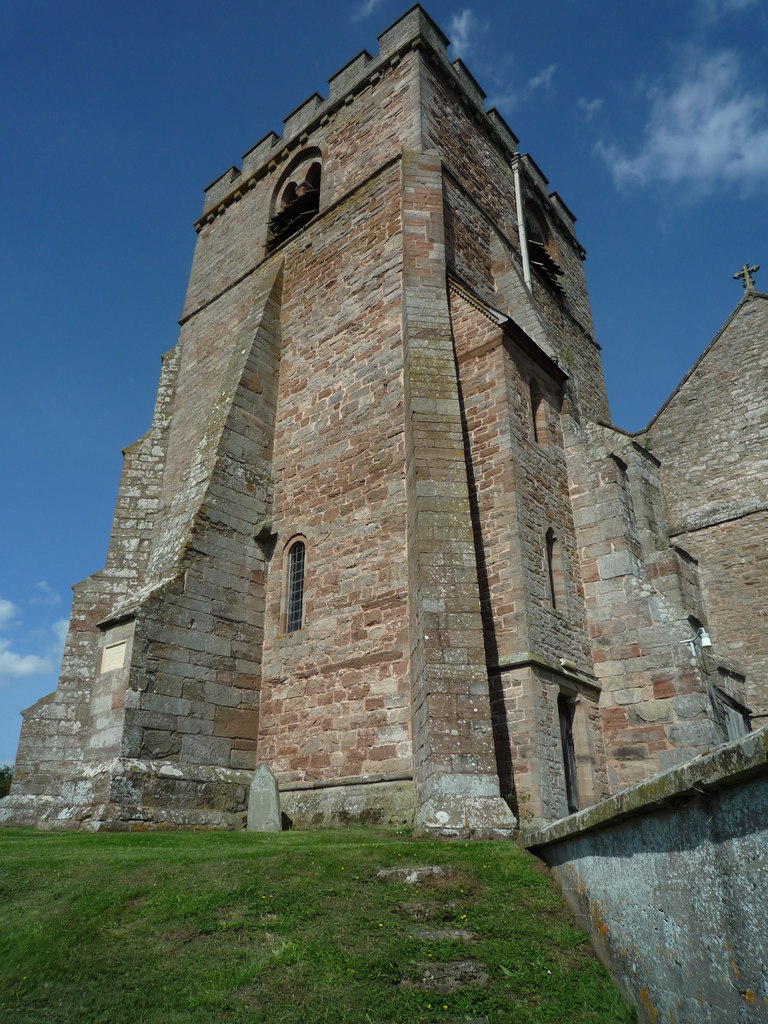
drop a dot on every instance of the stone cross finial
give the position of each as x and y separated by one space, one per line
746 272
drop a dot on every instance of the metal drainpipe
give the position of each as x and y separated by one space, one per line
521 223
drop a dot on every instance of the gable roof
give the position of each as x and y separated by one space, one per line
747 297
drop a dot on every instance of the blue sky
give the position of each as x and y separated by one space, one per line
650 119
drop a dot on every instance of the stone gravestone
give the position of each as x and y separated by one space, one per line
264 802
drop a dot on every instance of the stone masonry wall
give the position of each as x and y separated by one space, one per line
334 701
733 559
195 673
556 626
519 490
140 486
522 491
712 440
654 704
492 470
469 150
86 709
712 434
477 166
211 345
528 702
54 729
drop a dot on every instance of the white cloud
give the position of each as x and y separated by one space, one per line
20 666
45 594
461 28
507 97
707 131
7 611
712 10
49 641
366 9
590 108
544 78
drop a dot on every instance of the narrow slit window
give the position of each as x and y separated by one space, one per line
539 417
294 618
553 567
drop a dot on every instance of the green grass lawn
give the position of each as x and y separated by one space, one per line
202 928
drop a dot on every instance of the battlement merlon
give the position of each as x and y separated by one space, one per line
413 30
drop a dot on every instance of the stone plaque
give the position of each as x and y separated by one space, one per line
113 657
264 802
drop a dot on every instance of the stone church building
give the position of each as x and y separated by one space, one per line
382 535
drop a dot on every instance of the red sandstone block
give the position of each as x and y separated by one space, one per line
614 718
645 733
670 686
590 572
382 753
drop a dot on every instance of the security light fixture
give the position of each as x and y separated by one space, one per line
705 640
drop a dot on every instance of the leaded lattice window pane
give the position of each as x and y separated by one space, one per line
295 605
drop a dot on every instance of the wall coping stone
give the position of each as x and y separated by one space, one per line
705 519
126 612
727 765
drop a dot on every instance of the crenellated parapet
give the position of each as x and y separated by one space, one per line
414 31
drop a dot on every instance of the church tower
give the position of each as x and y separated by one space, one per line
380 535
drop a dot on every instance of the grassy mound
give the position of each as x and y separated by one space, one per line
203 928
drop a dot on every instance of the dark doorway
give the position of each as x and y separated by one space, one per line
565 710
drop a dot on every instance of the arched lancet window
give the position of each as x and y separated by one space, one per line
294 601
296 199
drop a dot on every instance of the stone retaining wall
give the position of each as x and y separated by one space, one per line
669 878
